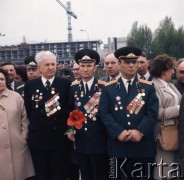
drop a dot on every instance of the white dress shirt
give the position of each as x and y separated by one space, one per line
50 80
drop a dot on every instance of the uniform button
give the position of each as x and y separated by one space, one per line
85 129
128 115
4 127
55 128
85 122
129 123
6 146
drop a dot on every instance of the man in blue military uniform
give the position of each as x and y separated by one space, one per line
129 109
46 100
91 139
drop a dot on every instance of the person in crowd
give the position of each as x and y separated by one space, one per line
21 74
76 72
32 68
73 166
15 158
46 100
180 76
129 108
13 85
111 65
143 71
91 139
67 73
169 97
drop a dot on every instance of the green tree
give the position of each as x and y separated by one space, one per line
164 38
141 37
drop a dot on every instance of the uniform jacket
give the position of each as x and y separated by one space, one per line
15 159
167 102
46 132
116 117
92 137
19 87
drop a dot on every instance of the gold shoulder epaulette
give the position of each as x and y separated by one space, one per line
145 82
21 86
111 82
101 82
75 83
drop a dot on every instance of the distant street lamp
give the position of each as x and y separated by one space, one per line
2 34
87 35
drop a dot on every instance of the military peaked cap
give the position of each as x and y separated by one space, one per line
87 56
128 53
30 61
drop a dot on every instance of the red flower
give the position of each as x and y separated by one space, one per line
76 119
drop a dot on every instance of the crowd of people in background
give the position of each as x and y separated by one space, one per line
117 109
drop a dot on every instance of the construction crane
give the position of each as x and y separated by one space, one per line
70 13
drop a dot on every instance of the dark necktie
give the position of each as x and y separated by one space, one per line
47 84
129 86
87 89
142 77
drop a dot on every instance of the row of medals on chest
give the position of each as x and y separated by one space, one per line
135 105
91 106
52 105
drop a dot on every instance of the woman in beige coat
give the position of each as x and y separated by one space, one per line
169 97
15 159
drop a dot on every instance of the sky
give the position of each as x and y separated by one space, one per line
46 21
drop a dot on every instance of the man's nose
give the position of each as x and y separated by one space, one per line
131 64
110 65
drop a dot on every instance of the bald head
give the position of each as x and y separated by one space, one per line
111 64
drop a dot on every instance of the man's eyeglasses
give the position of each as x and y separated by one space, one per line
32 68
